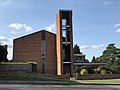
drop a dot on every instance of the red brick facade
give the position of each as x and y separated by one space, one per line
28 48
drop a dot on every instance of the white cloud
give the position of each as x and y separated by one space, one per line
27 28
50 28
93 47
118 24
14 32
118 30
2 38
16 26
19 26
7 41
106 2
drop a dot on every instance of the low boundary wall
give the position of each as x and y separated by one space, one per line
16 67
97 76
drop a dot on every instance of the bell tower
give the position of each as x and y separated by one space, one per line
64 43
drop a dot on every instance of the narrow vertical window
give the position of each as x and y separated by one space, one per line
43 55
43 49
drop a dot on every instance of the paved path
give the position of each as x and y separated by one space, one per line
58 87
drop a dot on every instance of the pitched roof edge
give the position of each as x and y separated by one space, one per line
34 33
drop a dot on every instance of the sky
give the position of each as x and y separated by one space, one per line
96 23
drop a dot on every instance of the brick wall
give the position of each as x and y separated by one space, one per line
28 48
51 62
59 44
97 76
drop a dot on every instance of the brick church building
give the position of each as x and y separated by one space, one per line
52 52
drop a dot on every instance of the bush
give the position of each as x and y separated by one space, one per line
96 71
89 69
83 67
103 71
83 72
109 72
100 68
76 69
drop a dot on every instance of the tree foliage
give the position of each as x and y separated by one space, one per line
76 49
86 61
94 60
111 56
3 54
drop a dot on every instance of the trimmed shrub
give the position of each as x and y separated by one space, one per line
89 69
96 71
100 68
83 72
103 71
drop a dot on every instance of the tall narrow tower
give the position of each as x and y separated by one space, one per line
64 44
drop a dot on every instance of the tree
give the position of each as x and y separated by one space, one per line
3 53
93 59
111 56
76 49
86 61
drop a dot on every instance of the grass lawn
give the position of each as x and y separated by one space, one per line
102 81
30 78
